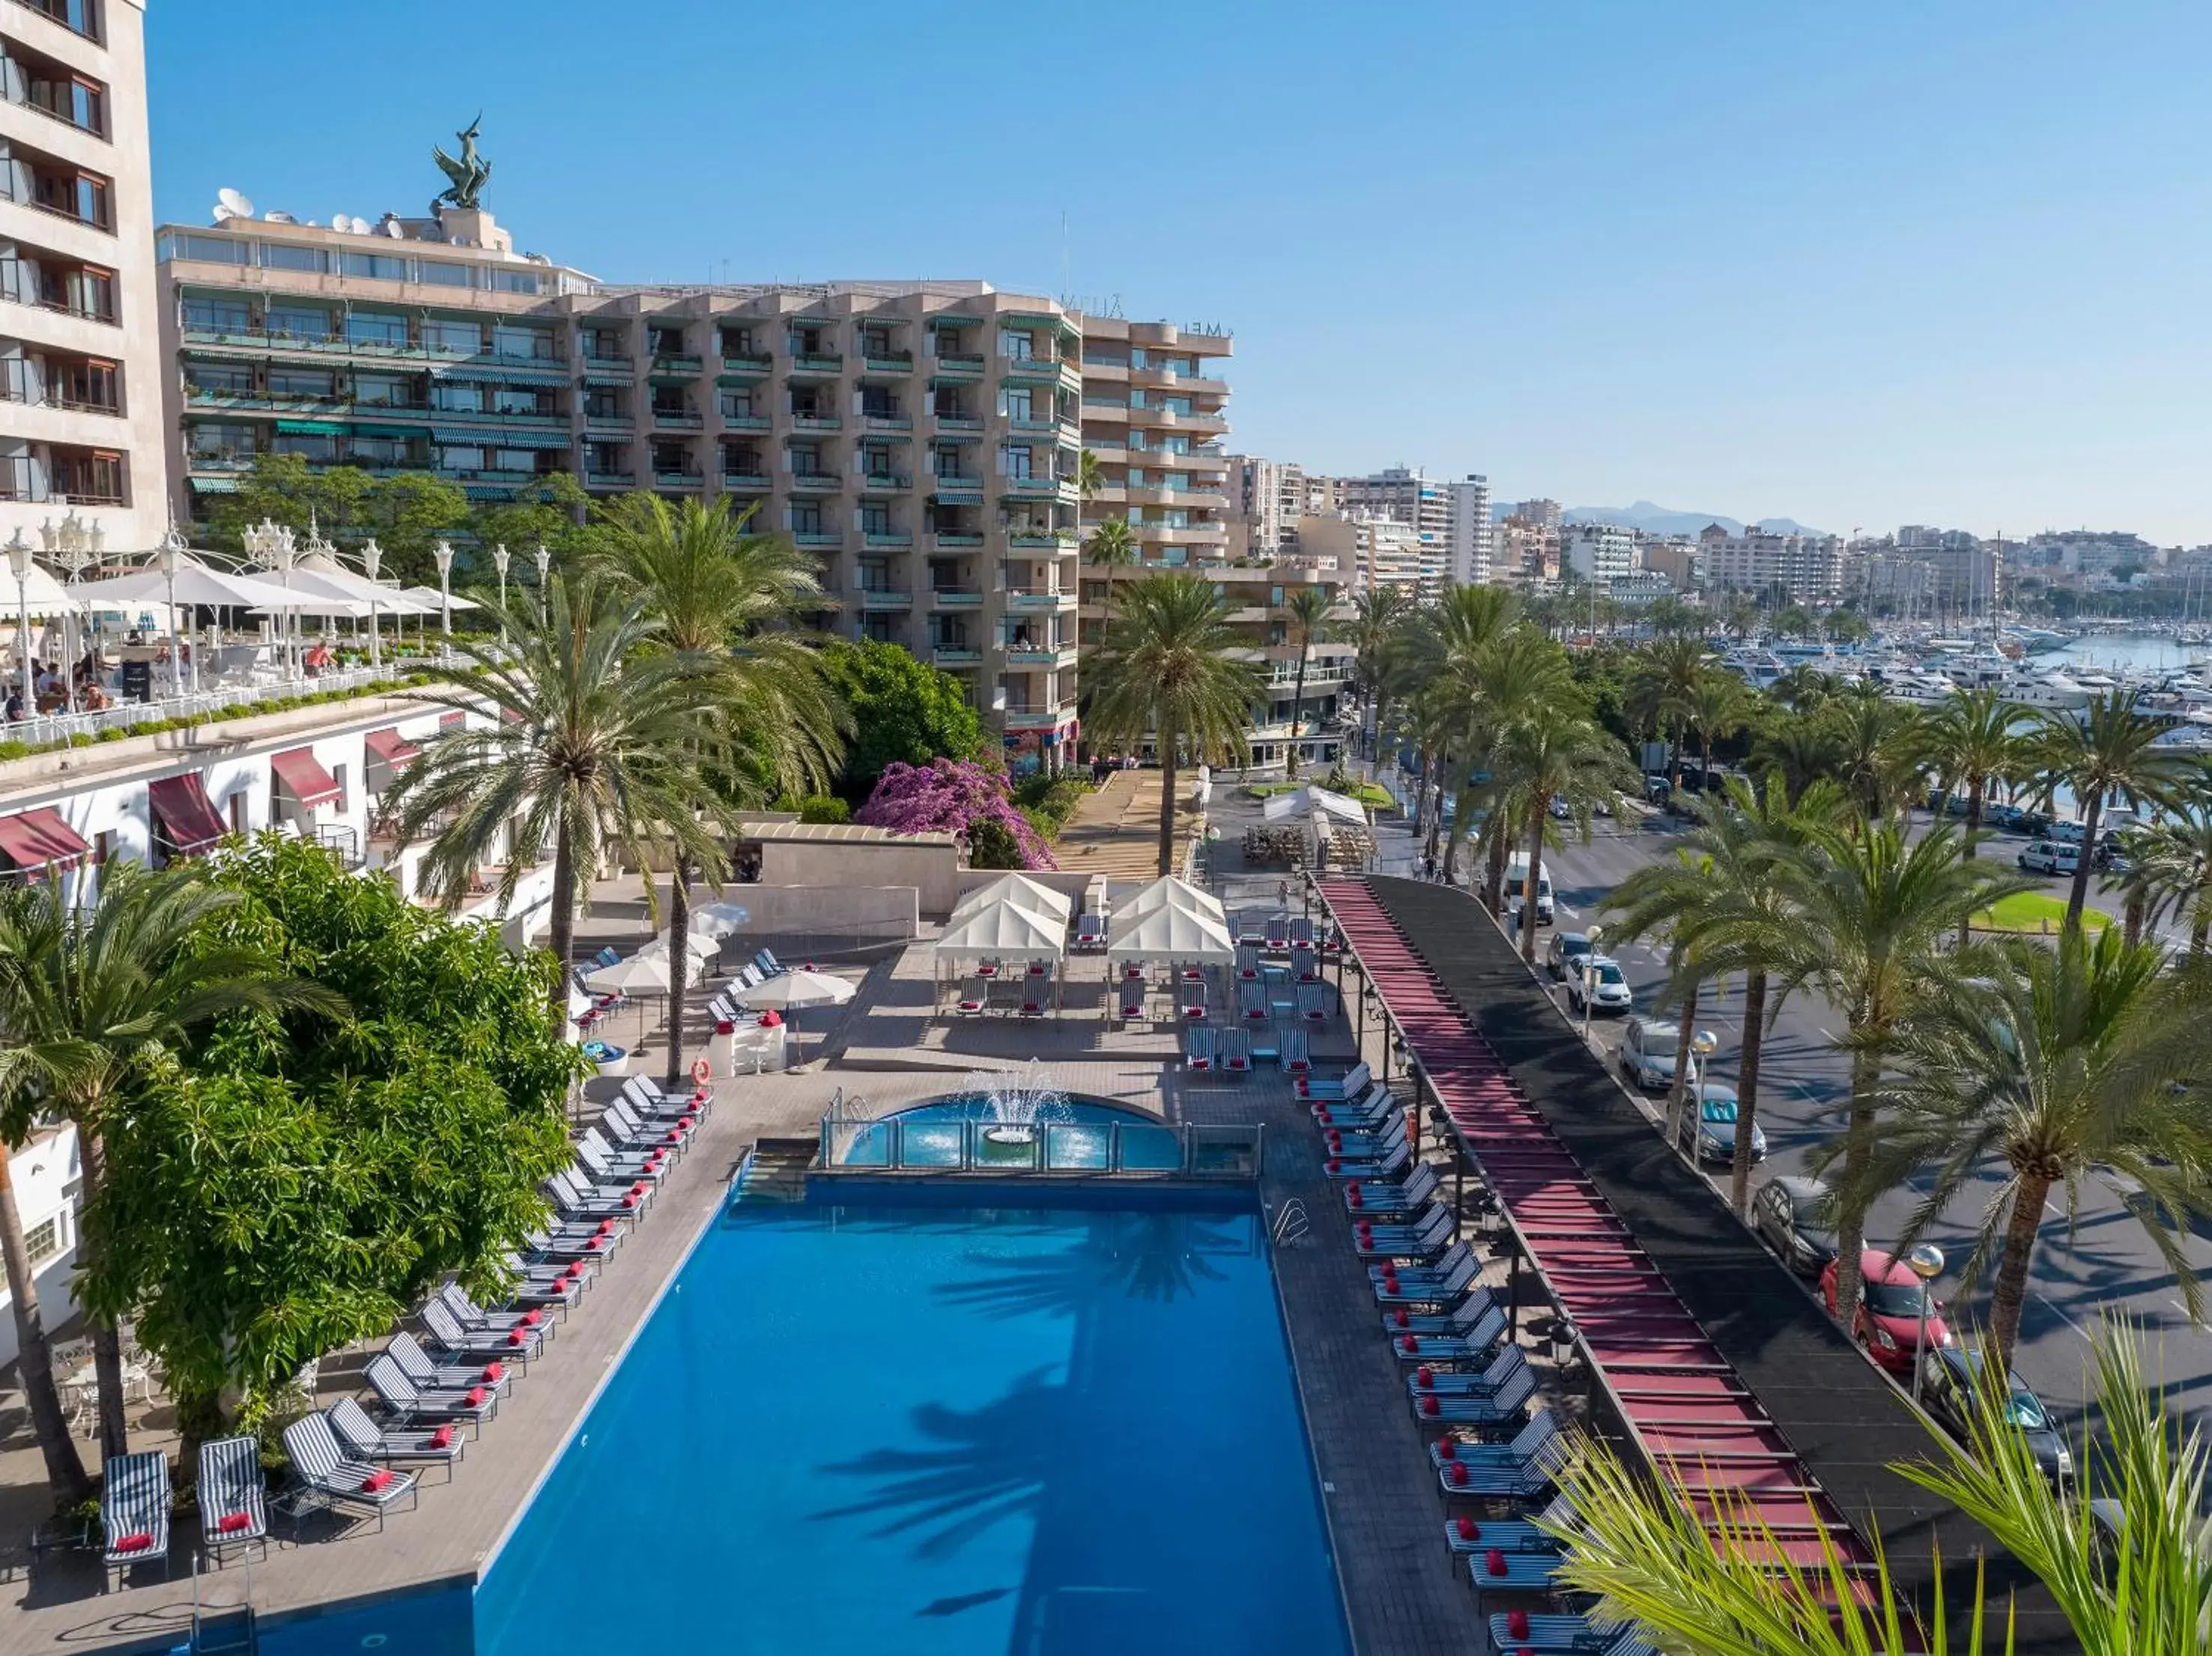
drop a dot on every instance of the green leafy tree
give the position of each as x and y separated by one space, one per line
1971 743
1878 750
89 998
1305 623
2172 859
902 711
544 512
1718 706
292 1177
1555 753
285 488
2056 1064
409 514
1799 748
1165 666
2108 750
599 739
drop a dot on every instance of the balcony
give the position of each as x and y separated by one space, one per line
818 362
1027 423
1039 598
744 480
888 362
1044 539
612 424
1040 655
1030 489
608 369
1029 718
955 540
955 655
955 597
610 480
77 16
884 482
685 481
886 597
963 364
752 364
873 422
816 483
745 422
957 485
958 422
819 540
677 365
888 540
817 422
1029 368
677 420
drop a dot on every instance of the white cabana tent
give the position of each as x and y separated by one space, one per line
1018 888
1169 934
1309 800
1169 890
1003 930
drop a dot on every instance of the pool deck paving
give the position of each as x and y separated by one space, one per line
1402 1597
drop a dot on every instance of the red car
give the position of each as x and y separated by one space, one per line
1892 1301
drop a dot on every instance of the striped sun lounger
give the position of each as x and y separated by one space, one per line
367 1440
1338 1089
134 1511
1481 1339
1377 1201
232 1497
1465 1534
410 1403
1445 1290
329 1476
1197 1048
1547 1634
1236 1052
1423 1242
1458 1321
1294 1052
426 1374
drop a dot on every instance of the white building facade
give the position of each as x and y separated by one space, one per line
1471 560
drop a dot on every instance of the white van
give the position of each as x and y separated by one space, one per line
1516 887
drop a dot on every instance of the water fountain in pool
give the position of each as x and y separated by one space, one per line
1018 1101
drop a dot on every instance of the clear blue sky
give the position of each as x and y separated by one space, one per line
1857 263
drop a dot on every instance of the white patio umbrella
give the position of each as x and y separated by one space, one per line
793 990
44 594
1168 890
645 972
1003 930
1032 894
698 944
1169 934
196 583
1309 799
720 920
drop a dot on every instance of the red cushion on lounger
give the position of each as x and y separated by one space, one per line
630 1200
605 1225
1429 1404
1409 1343
378 1479
492 1372
137 1543
532 1318
1401 1318
1516 1624
442 1438
1448 1448
519 1337
1466 1527
1494 1560
675 1137
232 1523
640 1188
1336 1167
1456 1475
1425 1377
476 1396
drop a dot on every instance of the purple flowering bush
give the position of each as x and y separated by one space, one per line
958 797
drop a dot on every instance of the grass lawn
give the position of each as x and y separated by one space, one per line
1367 794
2035 911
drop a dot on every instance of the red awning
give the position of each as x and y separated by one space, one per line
39 838
186 812
304 777
393 748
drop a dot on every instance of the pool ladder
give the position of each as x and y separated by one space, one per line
1290 1223
227 1630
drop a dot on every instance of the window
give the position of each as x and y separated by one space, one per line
517 282
319 446
283 256
382 390
512 401
377 450
374 328
441 273
232 378
453 458
1016 345
508 340
216 440
378 267
301 382
806 459
1017 402
602 403
213 249
88 385
877 403
466 337
806 518
1014 461
458 399
43 1240
739 342
737 405
300 322
218 316
875 519
237 806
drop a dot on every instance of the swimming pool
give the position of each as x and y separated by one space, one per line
941 1427
1073 1136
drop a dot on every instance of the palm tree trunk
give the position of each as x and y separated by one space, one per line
1850 1216
1298 708
2009 1292
1679 1095
2079 899
1493 876
1747 1089
1540 812
680 972
562 937
106 1344
2200 915
1974 787
1167 750
2133 915
1458 832
35 1360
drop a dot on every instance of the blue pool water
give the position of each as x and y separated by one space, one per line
1073 1136
941 1430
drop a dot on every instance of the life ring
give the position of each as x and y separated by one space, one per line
702 1071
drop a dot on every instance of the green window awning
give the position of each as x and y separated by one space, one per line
492 373
215 485
307 428
408 431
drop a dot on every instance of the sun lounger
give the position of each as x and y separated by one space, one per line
1523 1467
1248 963
770 966
577 1199
1338 1089
1381 1200
1374 1103
1423 1241
1457 1323
1464 1534
134 1511
1253 1006
567 1243
1132 1001
1276 932
331 1477
1480 1339
1090 933
232 1497
651 1103
1305 965
481 1320
1316 1003
1294 1052
1251 927
1034 990
427 1374
551 1288
1374 1237
629 1132
1548 1635
1198 1048
1428 1290
1494 1570
409 1403
365 1439
1447 1265
1393 1160
455 1344
1492 1378
610 1166
1236 1052
1191 997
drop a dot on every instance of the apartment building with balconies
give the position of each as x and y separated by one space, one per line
81 417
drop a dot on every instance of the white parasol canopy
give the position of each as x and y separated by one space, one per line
433 602
45 595
798 989
1018 888
1171 935
720 920
196 583
331 575
1169 890
700 946
643 973
1316 800
1004 930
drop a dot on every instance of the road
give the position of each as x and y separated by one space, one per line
2102 1262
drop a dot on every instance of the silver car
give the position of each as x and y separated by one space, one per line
1603 984
1717 1125
1647 1053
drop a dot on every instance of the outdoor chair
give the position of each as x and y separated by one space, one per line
1380 1201
1480 1339
1252 1005
232 1497
1277 932
578 1199
1465 1534
1199 1048
329 1476
1425 1240
365 1439
1302 931
975 1000
478 1319
1498 1375
408 1402
575 1242
1494 1570
611 1166
1192 999
134 1511
517 1345
1090 933
628 1133
650 1103
1132 1001
1454 1275
1545 1635
1236 1052
1528 1461
1365 1143
1338 1088
1314 1002
1446 1267
1294 1052
1034 992
1251 927
1391 1160
1460 1321
427 1375
544 1288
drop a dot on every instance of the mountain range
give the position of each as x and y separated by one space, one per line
1653 519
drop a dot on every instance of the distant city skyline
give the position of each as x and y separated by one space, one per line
1602 251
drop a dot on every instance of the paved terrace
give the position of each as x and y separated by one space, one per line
1380 1498
1723 1370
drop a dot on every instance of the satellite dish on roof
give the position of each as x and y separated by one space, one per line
224 214
393 227
233 204
347 223
276 217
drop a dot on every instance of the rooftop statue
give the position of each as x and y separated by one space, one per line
468 175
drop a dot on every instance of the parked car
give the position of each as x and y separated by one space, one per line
1657 790
1516 888
2050 857
2034 823
2067 834
1792 1213
1564 953
1892 1303
1950 1389
2000 816
1603 983
1717 1125
1647 1053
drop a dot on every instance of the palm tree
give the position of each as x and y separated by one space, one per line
1382 619
89 997
1166 665
1804 688
1454 643
1972 742
2172 861
1707 1583
1798 747
1662 686
1521 672
2058 1063
1874 908
1878 743
1716 709
1555 753
1741 616
601 739
1305 622
1112 547
2109 749
1089 479
725 600
1673 898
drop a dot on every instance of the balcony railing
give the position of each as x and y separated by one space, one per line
77 16
955 539
881 420
887 480
817 480
744 480
818 362
676 362
955 597
746 362
888 361
820 539
886 597
956 483
610 479
678 480
678 420
888 539
817 422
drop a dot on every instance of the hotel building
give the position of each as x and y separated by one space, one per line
81 417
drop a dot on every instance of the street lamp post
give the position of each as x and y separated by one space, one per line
1925 1262
445 555
1704 1043
499 561
19 560
1594 935
372 560
275 546
544 567
173 546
